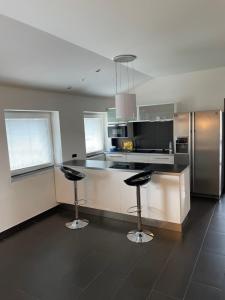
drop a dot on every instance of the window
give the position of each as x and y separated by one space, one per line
29 138
94 132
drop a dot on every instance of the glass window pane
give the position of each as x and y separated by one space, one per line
29 141
94 136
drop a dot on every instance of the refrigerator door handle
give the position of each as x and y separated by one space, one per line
193 150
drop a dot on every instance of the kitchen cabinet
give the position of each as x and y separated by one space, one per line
170 205
165 198
111 115
115 157
141 158
159 187
136 158
129 198
156 112
100 190
162 159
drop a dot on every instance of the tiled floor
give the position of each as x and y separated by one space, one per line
46 261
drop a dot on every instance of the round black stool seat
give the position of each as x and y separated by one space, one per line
71 174
139 179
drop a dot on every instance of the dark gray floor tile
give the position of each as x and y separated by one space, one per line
199 291
218 223
87 270
215 242
176 275
139 282
61 292
9 292
220 207
183 258
155 295
210 269
111 278
43 283
104 285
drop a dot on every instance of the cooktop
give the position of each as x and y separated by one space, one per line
128 166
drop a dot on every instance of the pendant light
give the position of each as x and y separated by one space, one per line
125 102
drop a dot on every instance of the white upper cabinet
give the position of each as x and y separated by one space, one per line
156 112
152 113
111 115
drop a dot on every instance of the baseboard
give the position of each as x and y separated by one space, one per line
8 232
212 197
127 218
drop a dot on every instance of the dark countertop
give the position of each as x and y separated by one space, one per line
125 166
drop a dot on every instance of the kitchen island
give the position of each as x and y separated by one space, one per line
165 200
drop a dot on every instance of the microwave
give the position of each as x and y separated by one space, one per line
117 131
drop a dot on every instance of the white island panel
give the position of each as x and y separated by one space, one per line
100 189
165 198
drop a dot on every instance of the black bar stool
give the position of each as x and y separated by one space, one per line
75 176
139 235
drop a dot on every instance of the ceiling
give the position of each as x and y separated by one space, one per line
33 58
169 37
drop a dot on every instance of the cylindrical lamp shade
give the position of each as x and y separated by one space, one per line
126 108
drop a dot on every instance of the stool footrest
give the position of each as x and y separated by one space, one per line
81 201
133 209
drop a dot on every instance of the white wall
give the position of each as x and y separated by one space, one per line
31 195
202 90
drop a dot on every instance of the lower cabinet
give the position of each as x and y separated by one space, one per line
165 197
162 199
129 199
145 158
138 158
150 158
116 157
162 159
101 190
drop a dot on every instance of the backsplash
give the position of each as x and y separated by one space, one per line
153 135
149 135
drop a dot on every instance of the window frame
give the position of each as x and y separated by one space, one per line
89 114
31 114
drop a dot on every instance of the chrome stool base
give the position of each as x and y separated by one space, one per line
136 236
77 224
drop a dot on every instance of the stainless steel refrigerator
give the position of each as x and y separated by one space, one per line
198 141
